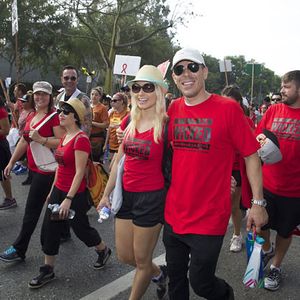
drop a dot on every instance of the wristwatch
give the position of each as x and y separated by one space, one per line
261 202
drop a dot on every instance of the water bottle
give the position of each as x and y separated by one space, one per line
55 208
104 214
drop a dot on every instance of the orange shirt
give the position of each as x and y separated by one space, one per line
100 115
115 119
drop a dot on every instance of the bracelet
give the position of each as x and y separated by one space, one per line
45 142
69 197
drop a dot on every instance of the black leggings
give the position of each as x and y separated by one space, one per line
51 230
38 192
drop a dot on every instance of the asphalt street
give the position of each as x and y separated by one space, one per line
76 279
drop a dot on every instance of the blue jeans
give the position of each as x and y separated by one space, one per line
202 251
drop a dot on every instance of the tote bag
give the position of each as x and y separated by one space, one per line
43 156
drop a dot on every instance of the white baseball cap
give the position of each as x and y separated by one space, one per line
270 152
188 54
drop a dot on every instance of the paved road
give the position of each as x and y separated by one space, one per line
77 279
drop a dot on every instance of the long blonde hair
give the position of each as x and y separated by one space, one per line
159 115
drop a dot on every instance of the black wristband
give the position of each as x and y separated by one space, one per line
69 197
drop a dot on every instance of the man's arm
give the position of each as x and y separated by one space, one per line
257 215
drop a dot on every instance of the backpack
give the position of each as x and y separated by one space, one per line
97 178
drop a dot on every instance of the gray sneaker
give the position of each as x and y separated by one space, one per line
273 279
8 203
267 256
46 275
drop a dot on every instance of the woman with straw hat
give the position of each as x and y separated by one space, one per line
140 218
69 191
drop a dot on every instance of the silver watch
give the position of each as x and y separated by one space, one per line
262 202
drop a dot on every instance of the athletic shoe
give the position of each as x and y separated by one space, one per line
103 257
273 279
16 167
8 203
161 282
236 243
46 275
267 256
21 170
10 255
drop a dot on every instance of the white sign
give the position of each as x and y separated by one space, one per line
14 17
127 65
225 65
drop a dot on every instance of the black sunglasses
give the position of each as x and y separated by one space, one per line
115 100
73 78
147 88
193 67
66 112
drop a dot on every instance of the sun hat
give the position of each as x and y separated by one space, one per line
270 152
42 86
151 74
188 54
77 106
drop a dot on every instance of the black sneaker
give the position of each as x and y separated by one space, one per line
161 290
8 203
10 255
273 279
103 257
46 275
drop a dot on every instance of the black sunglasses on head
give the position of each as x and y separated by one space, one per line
147 88
72 78
179 69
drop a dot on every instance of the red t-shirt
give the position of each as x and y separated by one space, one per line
143 163
65 156
3 115
46 131
283 178
205 138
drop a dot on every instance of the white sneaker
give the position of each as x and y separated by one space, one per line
236 243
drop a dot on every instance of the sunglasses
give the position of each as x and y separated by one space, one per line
115 100
193 67
66 112
276 99
72 78
147 88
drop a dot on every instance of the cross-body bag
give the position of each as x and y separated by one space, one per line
43 156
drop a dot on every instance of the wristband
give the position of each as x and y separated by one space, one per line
69 197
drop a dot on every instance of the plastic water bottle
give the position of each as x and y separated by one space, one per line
104 214
106 154
55 208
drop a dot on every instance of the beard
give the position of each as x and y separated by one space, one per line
290 100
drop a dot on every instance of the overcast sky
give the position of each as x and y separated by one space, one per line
266 30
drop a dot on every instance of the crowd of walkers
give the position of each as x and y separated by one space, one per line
216 174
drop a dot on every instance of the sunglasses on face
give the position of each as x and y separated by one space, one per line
276 99
72 78
66 112
179 69
115 100
147 88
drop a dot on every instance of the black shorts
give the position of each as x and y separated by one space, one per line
236 174
284 213
145 209
5 156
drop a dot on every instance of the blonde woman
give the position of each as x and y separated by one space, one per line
140 218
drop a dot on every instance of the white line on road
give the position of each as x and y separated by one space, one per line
119 285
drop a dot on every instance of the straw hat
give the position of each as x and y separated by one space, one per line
151 74
77 105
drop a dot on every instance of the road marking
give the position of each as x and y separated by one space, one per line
119 285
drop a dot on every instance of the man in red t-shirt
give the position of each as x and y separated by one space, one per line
205 131
282 179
